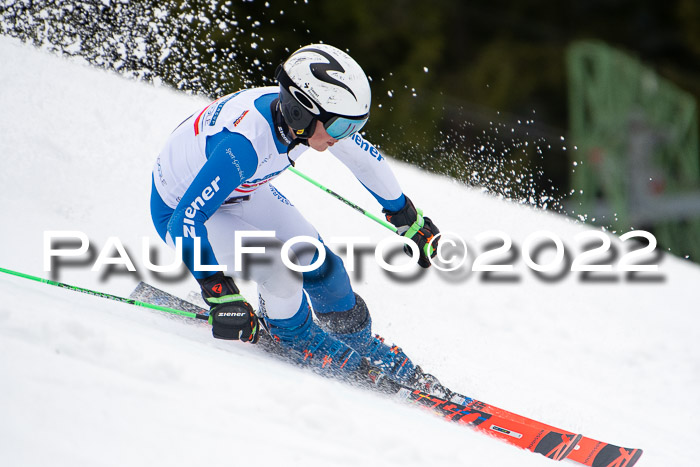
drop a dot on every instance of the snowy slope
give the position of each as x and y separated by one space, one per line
85 381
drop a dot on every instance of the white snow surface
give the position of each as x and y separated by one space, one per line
86 381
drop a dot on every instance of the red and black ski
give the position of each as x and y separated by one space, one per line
534 436
595 453
586 451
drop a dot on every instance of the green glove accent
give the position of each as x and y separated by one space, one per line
417 225
225 299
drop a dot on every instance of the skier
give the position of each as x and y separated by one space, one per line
212 178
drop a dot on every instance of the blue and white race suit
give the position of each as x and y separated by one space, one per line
213 177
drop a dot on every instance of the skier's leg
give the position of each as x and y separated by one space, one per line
354 327
280 286
283 303
345 316
282 300
328 286
313 345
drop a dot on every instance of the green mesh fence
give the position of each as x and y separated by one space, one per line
637 163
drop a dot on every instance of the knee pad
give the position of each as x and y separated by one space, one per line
346 322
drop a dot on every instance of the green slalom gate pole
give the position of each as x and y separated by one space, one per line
116 298
344 200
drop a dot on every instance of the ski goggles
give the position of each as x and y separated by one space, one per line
339 127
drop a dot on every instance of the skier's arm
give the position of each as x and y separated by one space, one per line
231 160
371 169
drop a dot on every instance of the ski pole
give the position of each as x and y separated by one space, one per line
344 200
105 295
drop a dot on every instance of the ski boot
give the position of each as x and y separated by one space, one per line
354 328
312 346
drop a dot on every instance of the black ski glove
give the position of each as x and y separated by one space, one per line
411 224
230 316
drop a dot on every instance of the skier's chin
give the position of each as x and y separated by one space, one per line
320 147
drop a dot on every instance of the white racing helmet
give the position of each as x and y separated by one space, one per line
320 82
